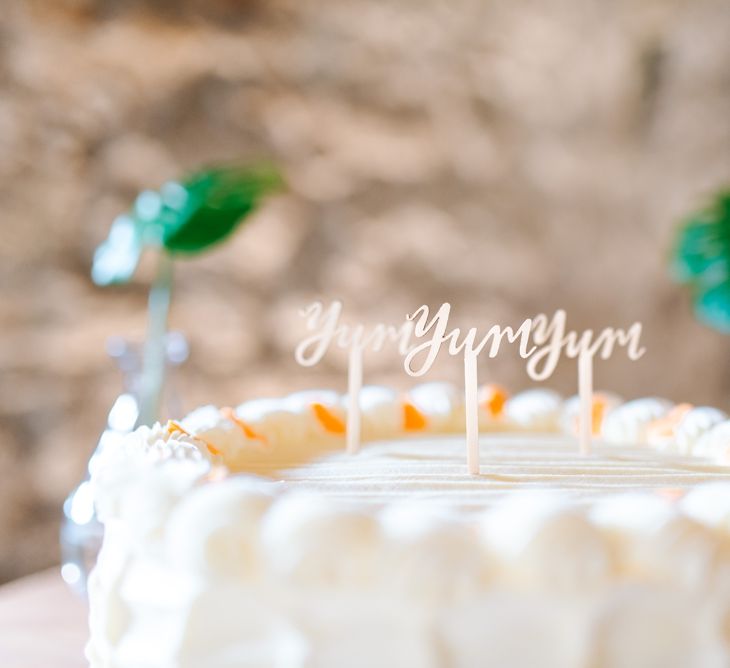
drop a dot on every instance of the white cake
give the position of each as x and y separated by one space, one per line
248 538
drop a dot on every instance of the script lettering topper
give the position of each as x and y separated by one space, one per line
542 341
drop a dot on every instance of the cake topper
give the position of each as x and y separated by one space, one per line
328 330
542 341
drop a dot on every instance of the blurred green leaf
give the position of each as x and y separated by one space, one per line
701 259
713 307
184 217
214 203
699 248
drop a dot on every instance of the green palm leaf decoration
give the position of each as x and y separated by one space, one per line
214 203
701 259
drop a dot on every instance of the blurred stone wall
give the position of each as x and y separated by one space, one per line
507 157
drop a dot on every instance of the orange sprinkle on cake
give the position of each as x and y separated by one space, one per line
493 398
664 427
413 419
229 414
331 422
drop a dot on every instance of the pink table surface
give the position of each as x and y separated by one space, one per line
42 623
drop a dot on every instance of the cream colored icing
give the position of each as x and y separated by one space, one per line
395 557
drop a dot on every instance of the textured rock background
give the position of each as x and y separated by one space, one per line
508 157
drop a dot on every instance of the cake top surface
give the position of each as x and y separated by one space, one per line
415 447
432 468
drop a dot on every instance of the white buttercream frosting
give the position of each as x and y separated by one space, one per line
542 540
213 531
276 420
627 423
144 474
715 444
570 412
643 626
695 424
300 556
709 504
427 554
307 540
382 416
440 402
536 410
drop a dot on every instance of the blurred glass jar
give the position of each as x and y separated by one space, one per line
81 533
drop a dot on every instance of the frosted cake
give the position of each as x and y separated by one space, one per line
246 537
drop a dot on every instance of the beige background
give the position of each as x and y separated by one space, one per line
508 157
